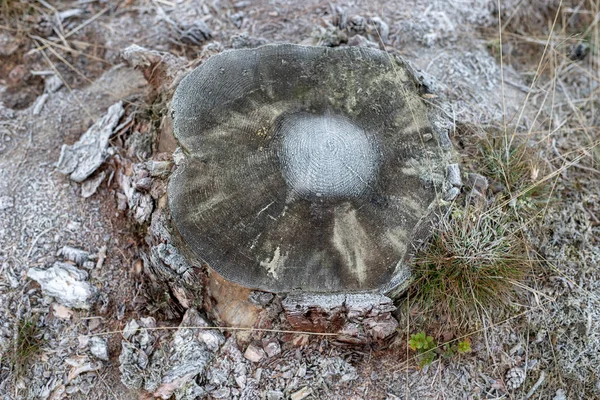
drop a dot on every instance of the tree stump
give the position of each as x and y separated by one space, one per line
312 173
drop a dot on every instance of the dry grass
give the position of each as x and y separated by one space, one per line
475 262
26 346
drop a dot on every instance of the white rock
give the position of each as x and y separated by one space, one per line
67 284
453 175
515 377
560 395
99 348
272 347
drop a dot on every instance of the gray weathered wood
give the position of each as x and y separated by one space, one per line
85 156
306 167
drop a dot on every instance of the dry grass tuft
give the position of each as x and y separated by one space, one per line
27 345
476 262
472 265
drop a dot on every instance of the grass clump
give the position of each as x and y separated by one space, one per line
27 344
474 262
514 167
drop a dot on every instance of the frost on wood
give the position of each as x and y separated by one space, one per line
306 168
166 264
85 156
67 284
159 69
136 182
357 317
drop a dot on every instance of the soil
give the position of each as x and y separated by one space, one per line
552 333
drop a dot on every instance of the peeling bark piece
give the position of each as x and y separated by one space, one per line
78 256
168 265
90 186
85 156
159 69
315 313
358 317
140 204
83 368
67 284
303 168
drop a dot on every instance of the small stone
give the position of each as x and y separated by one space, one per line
148 322
61 311
99 348
52 83
83 341
515 378
94 324
89 265
178 156
453 175
274 395
241 381
478 183
361 41
159 169
560 395
6 202
301 394
130 329
451 194
223 393
254 353
271 346
382 29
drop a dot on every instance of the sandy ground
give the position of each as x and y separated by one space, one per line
551 335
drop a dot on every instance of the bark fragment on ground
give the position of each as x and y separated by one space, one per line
83 158
66 283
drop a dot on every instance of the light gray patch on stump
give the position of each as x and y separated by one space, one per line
306 168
